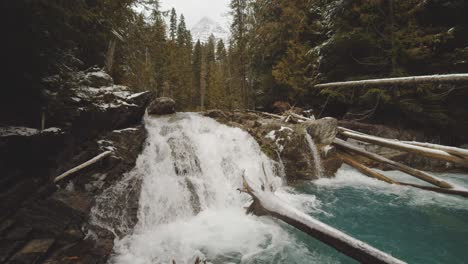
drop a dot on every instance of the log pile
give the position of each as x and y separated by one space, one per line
347 151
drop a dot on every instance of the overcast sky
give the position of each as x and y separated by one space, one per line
194 10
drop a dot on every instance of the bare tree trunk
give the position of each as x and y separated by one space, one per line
110 55
82 166
392 36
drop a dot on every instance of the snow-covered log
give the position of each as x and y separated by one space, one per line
394 144
395 165
445 78
82 166
268 203
463 153
364 169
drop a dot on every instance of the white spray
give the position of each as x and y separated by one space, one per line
315 154
189 205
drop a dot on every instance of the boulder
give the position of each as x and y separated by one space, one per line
323 131
97 79
162 106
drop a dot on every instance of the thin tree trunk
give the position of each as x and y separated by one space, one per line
110 55
82 166
392 36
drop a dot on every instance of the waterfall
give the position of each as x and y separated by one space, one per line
189 206
315 154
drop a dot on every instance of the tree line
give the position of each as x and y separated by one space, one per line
277 52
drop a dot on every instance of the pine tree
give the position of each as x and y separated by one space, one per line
239 38
196 70
182 32
173 25
221 51
210 58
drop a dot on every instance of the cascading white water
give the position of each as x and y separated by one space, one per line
189 205
188 174
315 154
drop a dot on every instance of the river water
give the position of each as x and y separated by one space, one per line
189 206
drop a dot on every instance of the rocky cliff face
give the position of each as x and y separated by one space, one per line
46 223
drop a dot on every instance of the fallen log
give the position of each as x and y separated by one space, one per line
435 189
463 153
395 165
82 166
445 78
394 144
364 169
446 153
373 174
267 203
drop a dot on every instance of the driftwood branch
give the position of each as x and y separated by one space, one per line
268 203
447 78
82 166
395 165
394 144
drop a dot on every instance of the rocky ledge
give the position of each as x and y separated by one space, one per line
287 143
46 223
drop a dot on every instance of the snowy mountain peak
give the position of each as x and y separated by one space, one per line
207 26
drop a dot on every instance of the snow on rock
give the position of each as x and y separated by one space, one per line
280 137
125 130
53 130
97 79
133 96
18 131
106 145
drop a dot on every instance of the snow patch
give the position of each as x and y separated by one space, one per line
18 131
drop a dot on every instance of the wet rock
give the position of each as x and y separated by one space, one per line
323 131
33 252
91 115
97 78
162 106
286 142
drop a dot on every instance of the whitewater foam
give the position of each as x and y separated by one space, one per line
189 205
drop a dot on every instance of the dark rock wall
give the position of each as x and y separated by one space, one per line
46 223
